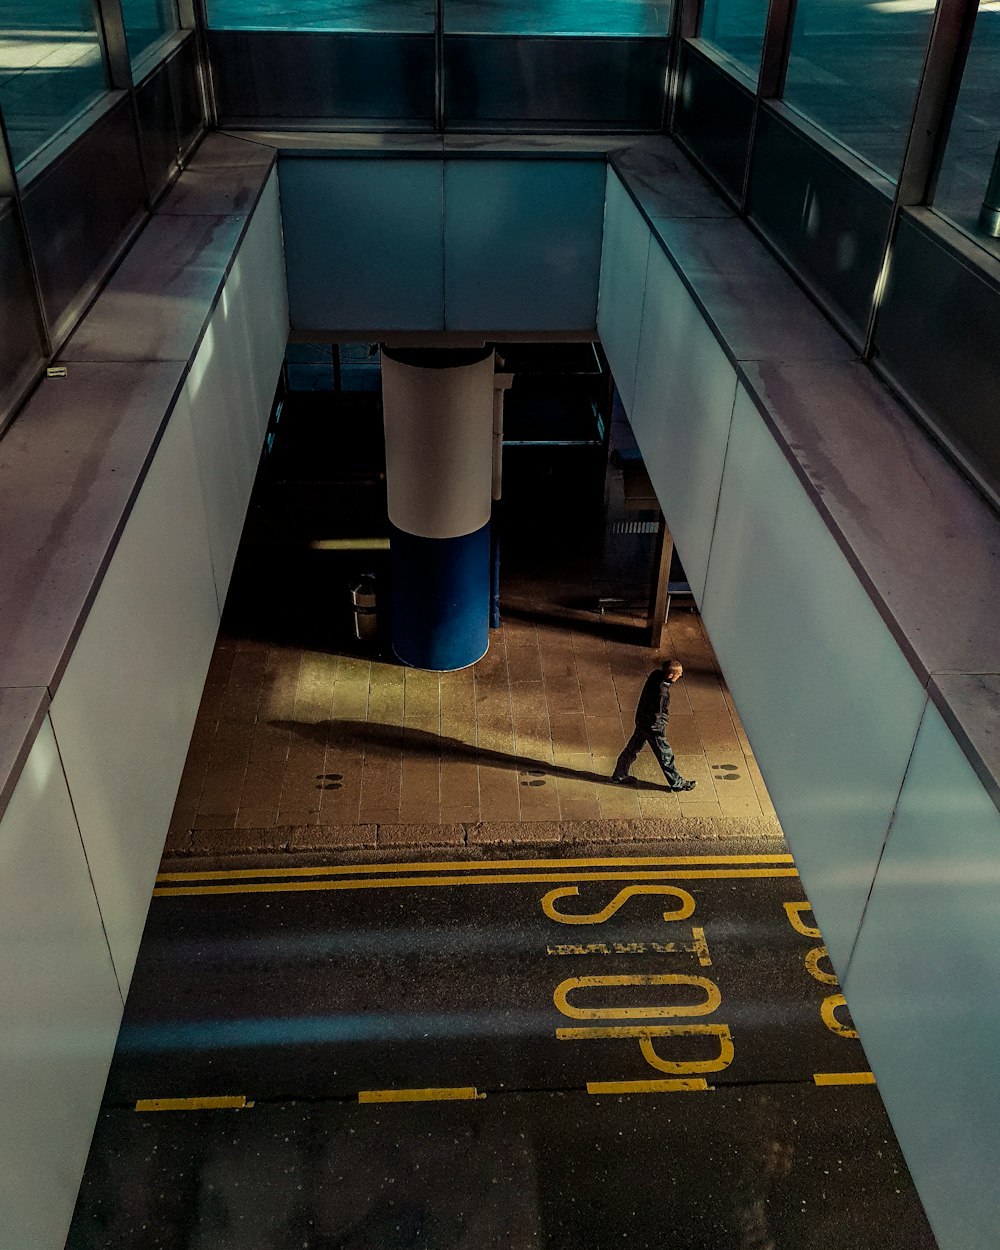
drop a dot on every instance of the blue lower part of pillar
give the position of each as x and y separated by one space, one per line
495 566
440 599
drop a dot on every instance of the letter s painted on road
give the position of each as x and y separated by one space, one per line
684 899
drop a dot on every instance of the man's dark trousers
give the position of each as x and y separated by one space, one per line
661 749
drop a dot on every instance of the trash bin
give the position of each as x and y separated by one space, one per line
363 604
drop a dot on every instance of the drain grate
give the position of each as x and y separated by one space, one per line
635 527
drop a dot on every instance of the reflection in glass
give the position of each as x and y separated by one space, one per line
854 70
146 23
401 17
51 69
500 17
557 17
736 27
972 151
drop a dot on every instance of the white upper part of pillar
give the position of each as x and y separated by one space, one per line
438 437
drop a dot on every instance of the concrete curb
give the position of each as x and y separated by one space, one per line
299 838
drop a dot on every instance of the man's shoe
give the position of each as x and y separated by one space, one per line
620 778
685 785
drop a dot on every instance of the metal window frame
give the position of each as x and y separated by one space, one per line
930 118
771 74
109 28
10 190
685 24
688 10
930 123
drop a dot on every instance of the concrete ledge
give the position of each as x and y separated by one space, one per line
423 145
73 461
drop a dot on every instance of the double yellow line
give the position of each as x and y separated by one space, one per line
433 873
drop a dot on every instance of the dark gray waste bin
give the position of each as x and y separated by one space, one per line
363 604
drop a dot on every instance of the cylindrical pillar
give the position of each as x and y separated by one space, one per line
438 411
501 384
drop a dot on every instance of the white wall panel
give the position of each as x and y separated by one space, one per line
681 413
623 282
522 244
924 988
829 702
233 378
60 1006
363 243
126 704
259 279
222 407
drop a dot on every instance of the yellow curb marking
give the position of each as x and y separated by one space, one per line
279 887
472 865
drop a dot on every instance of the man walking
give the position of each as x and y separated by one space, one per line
651 726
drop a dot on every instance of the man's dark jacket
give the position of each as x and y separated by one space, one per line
653 708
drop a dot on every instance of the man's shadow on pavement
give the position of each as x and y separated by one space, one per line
421 744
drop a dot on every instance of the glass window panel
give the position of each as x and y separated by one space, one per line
854 69
51 69
401 17
557 17
147 22
736 27
965 182
309 366
360 367
507 17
